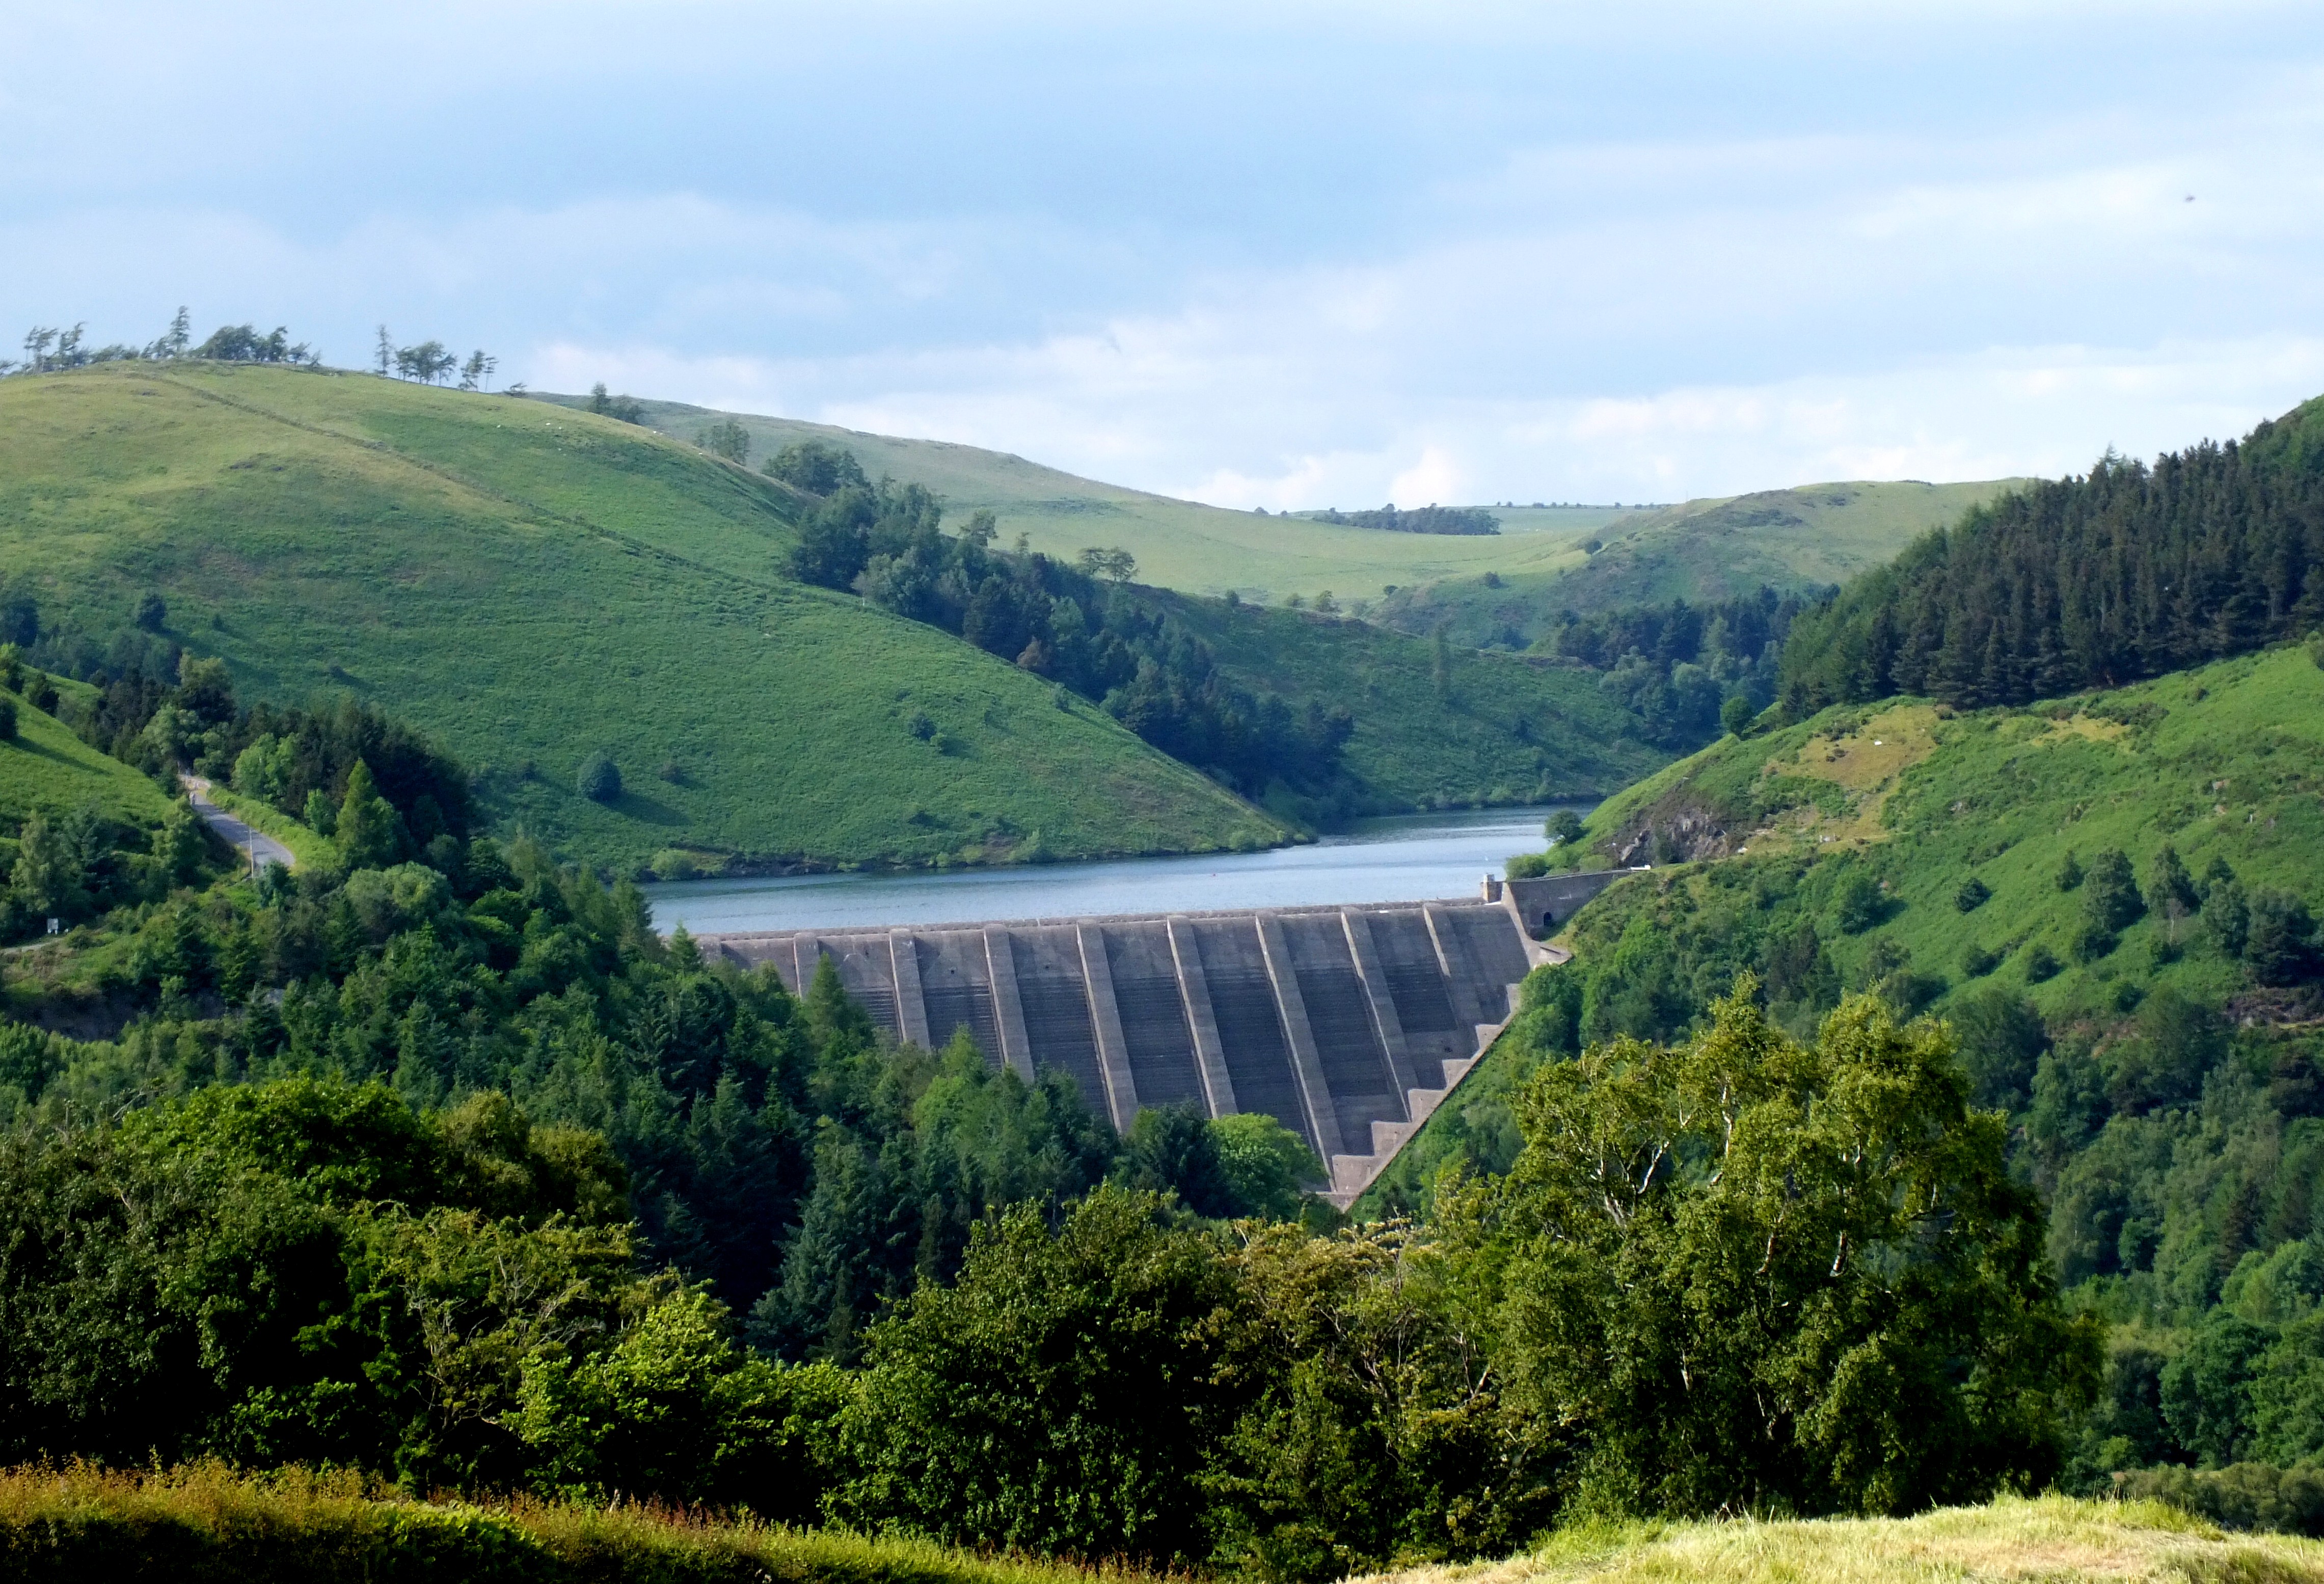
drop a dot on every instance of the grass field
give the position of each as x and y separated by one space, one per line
206 1524
2224 761
2052 1540
531 584
1179 544
50 770
1708 550
1506 729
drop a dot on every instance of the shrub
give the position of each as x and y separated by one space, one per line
1976 962
1564 827
2092 941
2069 872
7 719
2041 963
600 779
1973 894
1859 903
2241 1495
1525 866
918 725
151 612
1736 715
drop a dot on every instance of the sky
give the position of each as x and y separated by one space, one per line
1281 255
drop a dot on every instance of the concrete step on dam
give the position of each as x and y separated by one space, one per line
1348 1024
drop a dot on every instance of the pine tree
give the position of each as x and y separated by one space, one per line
368 831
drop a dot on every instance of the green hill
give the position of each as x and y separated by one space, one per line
1499 728
1703 550
1179 544
531 585
1833 854
49 770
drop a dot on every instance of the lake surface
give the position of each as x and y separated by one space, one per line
1412 857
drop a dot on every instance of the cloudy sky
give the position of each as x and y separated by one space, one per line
1259 254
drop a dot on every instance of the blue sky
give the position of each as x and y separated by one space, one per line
1278 255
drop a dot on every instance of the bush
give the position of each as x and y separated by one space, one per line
600 779
1526 866
2241 1495
2041 963
151 612
1976 962
1973 894
1564 827
1859 903
2092 941
1735 715
2070 873
7 719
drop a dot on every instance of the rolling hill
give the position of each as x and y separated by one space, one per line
531 586
1787 539
1179 544
1501 729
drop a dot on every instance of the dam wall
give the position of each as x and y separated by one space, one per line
1348 1025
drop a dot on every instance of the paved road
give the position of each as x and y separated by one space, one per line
261 848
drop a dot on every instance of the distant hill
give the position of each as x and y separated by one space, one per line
1809 536
1179 544
1501 729
532 585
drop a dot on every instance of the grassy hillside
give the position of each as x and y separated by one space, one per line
200 1523
530 586
1179 544
1503 729
1897 806
2054 1540
49 769
1708 550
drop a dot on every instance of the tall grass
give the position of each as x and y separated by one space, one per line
2055 1539
207 1523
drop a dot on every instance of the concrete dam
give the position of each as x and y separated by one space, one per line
1348 1024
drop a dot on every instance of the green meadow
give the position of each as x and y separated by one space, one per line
1700 551
1179 544
531 586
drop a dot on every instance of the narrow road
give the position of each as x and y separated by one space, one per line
257 847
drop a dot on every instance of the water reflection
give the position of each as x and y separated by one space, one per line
1410 858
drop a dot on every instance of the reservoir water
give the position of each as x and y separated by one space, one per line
1411 857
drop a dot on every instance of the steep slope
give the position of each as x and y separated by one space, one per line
532 585
1493 729
1179 544
1837 854
1803 538
48 770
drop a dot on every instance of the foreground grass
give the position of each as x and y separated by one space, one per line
2054 1538
208 1522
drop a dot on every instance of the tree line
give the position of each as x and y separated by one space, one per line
2129 571
48 348
1084 626
1454 519
1683 669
